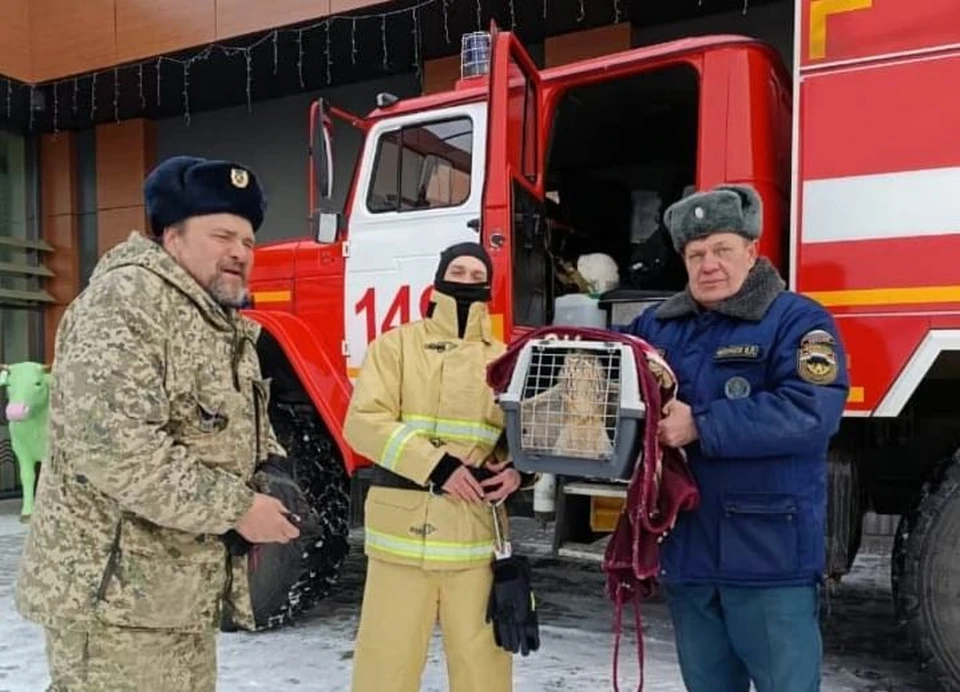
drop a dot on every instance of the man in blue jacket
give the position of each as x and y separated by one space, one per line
763 383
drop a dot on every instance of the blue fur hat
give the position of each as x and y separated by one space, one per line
724 209
184 186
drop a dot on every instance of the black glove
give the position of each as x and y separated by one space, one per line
237 545
441 473
513 607
273 478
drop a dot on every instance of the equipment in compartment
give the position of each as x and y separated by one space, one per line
625 252
579 310
600 272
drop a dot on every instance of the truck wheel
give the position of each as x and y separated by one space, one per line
898 556
286 580
905 526
926 576
844 512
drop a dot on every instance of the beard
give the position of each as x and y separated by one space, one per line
226 292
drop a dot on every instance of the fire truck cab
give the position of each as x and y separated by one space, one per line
546 167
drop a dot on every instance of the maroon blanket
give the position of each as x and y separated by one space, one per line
659 489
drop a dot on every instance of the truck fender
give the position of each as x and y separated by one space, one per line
328 388
934 343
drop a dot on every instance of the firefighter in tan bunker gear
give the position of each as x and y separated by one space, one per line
157 421
422 411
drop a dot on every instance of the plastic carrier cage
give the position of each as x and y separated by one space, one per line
573 408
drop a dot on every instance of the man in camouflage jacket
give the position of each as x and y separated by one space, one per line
158 418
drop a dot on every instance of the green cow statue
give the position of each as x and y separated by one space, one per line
28 398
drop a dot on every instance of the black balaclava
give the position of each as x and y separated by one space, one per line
465 294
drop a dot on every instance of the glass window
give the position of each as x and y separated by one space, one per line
21 271
423 167
21 279
530 141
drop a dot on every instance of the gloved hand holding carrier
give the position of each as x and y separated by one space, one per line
587 403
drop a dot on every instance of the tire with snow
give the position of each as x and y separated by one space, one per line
926 576
286 580
844 512
898 556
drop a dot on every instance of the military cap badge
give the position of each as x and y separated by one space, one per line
239 177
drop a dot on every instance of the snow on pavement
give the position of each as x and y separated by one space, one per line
864 650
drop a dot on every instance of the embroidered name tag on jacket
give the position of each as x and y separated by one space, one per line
738 352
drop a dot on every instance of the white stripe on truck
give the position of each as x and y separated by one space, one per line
889 205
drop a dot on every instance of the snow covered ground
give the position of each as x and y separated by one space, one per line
864 650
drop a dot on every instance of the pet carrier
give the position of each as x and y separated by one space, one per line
574 408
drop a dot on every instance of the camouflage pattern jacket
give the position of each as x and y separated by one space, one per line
157 420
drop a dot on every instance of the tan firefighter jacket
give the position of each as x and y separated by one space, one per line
157 419
421 393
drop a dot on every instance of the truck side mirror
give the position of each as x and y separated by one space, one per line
321 146
326 225
324 219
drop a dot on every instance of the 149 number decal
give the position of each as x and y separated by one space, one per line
399 308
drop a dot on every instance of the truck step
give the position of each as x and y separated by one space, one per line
618 490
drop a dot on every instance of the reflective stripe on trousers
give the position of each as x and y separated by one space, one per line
428 550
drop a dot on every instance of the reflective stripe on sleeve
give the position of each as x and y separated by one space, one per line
393 450
452 428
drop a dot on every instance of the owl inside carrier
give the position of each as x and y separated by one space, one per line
573 407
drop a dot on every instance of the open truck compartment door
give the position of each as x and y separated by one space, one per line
513 224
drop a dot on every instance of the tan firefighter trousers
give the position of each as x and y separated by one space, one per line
401 606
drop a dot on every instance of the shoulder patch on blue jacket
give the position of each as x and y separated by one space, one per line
817 358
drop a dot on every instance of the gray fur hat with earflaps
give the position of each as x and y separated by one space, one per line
724 209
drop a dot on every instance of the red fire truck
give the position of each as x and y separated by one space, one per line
857 157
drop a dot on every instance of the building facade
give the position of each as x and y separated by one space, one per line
93 94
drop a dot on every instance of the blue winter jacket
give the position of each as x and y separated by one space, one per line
765 374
